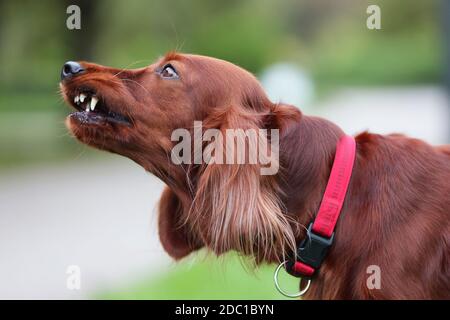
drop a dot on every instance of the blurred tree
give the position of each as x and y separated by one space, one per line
328 37
80 42
306 17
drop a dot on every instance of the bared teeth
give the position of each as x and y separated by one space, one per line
94 101
90 104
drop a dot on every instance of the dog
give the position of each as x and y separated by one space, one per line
396 213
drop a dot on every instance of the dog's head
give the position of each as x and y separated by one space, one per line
135 113
127 111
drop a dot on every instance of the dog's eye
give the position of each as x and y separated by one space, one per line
169 72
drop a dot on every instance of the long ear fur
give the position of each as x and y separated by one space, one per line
237 208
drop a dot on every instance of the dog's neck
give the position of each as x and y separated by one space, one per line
306 156
307 151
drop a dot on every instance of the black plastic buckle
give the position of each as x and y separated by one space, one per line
312 250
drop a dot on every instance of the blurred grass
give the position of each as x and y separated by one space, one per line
209 278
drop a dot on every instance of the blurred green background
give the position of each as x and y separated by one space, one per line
329 39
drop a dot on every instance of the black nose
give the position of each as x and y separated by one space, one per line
70 68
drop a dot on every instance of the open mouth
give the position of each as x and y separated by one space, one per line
92 109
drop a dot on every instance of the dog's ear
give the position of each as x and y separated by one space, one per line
236 206
175 237
283 116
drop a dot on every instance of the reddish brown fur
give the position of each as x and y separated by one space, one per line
396 213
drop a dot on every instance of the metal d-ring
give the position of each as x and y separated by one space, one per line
290 295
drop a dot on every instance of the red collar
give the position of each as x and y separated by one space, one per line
313 249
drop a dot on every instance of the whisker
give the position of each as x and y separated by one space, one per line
137 84
128 66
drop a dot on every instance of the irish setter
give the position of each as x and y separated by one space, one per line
396 214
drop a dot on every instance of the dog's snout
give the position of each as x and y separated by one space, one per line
70 68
